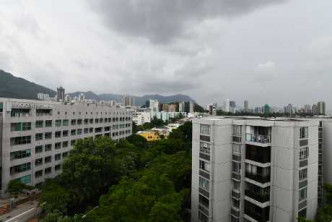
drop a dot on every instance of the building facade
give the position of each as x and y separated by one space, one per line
252 169
35 136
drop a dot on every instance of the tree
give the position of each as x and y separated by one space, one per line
54 197
324 214
16 187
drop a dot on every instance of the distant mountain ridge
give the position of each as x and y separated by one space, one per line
19 88
139 100
15 87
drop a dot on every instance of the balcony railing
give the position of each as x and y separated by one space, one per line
264 139
259 178
260 197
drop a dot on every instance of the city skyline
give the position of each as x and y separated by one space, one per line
284 57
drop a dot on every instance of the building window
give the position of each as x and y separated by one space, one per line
58 122
57 134
86 130
204 183
304 132
303 213
73 132
57 157
64 154
202 217
204 201
236 185
20 168
48 123
79 122
236 148
39 173
57 167
20 126
48 170
21 140
205 148
39 124
48 147
64 144
73 122
302 194
38 136
236 203
48 159
205 129
39 162
204 165
86 121
65 122
72 142
20 154
38 149
57 145
48 135
303 174
91 121
79 131
65 133
304 153
26 179
236 167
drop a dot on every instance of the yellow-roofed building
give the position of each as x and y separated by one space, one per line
150 136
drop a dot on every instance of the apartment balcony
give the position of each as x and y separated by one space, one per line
258 196
258 177
258 154
256 213
258 140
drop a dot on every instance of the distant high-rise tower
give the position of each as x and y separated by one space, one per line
314 109
181 106
246 106
191 107
154 105
61 94
227 106
321 108
128 100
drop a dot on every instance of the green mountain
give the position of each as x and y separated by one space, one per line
14 87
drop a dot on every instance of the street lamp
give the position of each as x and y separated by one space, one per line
84 216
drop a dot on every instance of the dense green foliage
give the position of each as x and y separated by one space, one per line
16 187
132 180
324 214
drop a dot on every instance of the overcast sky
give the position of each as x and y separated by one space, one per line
266 51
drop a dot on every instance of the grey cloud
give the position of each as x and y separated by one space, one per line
168 86
163 20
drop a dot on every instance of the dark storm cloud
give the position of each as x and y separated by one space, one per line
163 20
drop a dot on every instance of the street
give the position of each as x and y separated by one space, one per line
21 213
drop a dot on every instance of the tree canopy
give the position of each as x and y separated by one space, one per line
131 180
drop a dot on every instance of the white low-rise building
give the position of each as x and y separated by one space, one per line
35 136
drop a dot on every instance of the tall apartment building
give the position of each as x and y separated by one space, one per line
254 170
60 94
321 108
35 136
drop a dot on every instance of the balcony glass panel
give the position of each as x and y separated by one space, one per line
258 154
259 194
259 174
